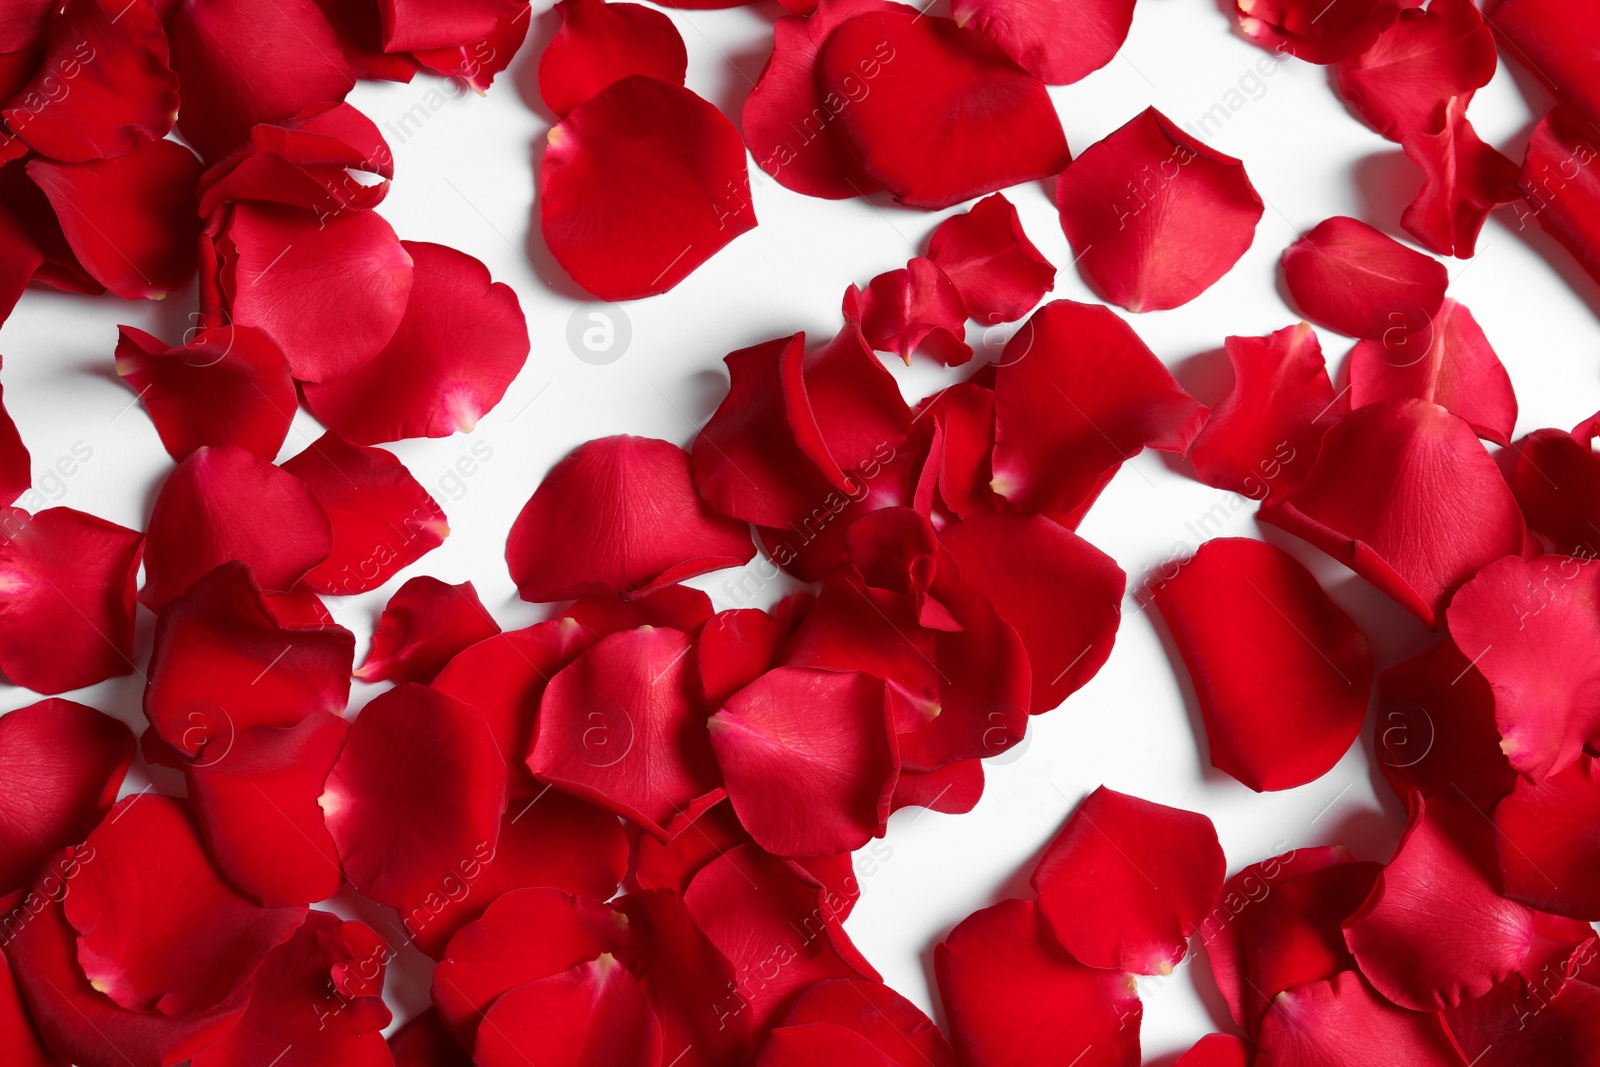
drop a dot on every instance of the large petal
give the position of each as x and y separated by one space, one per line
889 1022
1401 84
1349 277
1556 478
1343 1023
1560 185
1056 43
600 43
418 25
1549 844
595 1015
1563 61
19 1041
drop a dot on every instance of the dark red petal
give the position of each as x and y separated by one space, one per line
424 1042
300 1010
1401 84
102 84
424 625
1282 675
916 308
1126 881
1076 393
595 1015
1556 478
759 910
892 1024
735 648
676 606
790 120
131 221
1434 931
329 158
600 43
15 463
417 25
526 935
224 96
66 620
224 662
1014 999
223 504
1381 497
255 797
383 519
1459 371
1347 276
158 929
1343 1023
996 269
814 1043
996 128
1309 30
860 414
1532 628
552 841
224 386
461 342
331 291
964 416
1560 186
1549 845
620 727
1563 61
1056 43
1264 436
639 186
1156 216
1466 179
953 789
618 515
477 62
1216 1050
398 843
19 1041
61 764
1552 1018
808 759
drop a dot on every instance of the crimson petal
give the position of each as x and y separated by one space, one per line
600 43
310 161
424 1042
1563 60
1299 28
996 269
595 1015
1556 478
1549 850
916 308
1216 1050
1401 84
15 464
1056 43
424 625
1560 186
1343 1023
1349 277
417 25
18 1039
1466 179
889 1022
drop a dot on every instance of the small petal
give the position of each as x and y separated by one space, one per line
1347 276
423 626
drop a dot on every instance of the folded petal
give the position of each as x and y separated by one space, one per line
1382 497
461 342
224 504
916 308
328 159
476 62
1465 180
1349 277
1216 1050
640 185
1560 186
996 126
423 626
1316 34
1402 82
1561 60
1155 216
618 515
397 842
996 269
1056 43
889 1023
1343 1023
595 1015
416 25
861 416
1549 848
600 43
1556 478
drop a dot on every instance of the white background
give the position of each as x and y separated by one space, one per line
465 178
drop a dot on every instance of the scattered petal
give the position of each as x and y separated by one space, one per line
996 269
1466 179
1402 83
1056 43
424 625
1349 277
916 308
1549 849
600 43
1343 1023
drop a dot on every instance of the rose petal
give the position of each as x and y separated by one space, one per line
1163 242
996 128
461 342
328 159
618 514
1302 29
1549 850
424 625
640 185
600 43
595 1015
1216 1050
916 308
15 463
1347 276
1056 43
890 1023
424 1042
1343 1023
1562 61
398 843
996 269
1552 1020
416 25
811 1043
476 62
1560 186
736 648
1556 478
1466 179
1401 84
676 606
860 414
18 1039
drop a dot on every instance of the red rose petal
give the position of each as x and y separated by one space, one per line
224 662
1459 371
328 159
996 127
1466 179
1564 60
224 386
1531 627
1560 186
860 414
1056 43
790 119
61 764
158 929
735 648
424 625
1556 478
1380 497
600 43
953 789
131 220
18 1039
383 519
1216 1050
397 842
1076 393
67 618
223 504
1349 277
224 97
255 797
916 308
619 726
1401 84
120 92
461 342
1434 931
808 760
639 186
1549 848
299 1012
618 514
812 1043
1014 999
595 1015
1316 34
889 1022
1265 435
996 269
1343 1023
1126 881
424 1042
1281 673
1552 1019
477 62
1163 243
676 606
416 25
331 290
15 463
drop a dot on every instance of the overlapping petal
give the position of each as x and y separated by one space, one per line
601 42
1349 277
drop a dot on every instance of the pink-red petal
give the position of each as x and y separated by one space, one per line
1550 841
1349 277
600 43
1465 180
1401 84
423 626
1056 43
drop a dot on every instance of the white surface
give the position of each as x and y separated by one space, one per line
465 178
